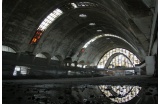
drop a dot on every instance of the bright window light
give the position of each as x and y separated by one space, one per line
85 4
49 19
82 15
119 60
92 24
40 55
20 70
7 49
74 5
57 13
92 40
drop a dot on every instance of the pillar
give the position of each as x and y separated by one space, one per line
150 65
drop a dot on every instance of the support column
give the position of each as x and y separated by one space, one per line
150 65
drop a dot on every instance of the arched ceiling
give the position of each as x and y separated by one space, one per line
129 19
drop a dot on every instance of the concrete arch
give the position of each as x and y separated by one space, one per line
47 55
43 55
55 58
59 57
113 56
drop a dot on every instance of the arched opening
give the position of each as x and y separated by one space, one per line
40 55
8 49
119 60
54 58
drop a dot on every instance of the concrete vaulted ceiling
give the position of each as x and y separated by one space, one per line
129 19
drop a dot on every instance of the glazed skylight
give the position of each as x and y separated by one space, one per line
86 4
82 15
120 94
107 35
92 24
57 13
81 5
92 40
49 19
74 5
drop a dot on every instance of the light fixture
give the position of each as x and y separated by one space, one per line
107 38
92 24
83 15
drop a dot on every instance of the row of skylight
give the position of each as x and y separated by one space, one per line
83 4
49 19
58 12
97 37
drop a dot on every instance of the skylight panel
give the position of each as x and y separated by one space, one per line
83 15
49 19
85 4
74 5
82 4
92 24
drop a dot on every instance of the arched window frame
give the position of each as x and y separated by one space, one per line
130 55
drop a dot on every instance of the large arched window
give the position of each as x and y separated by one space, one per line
120 60
8 49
